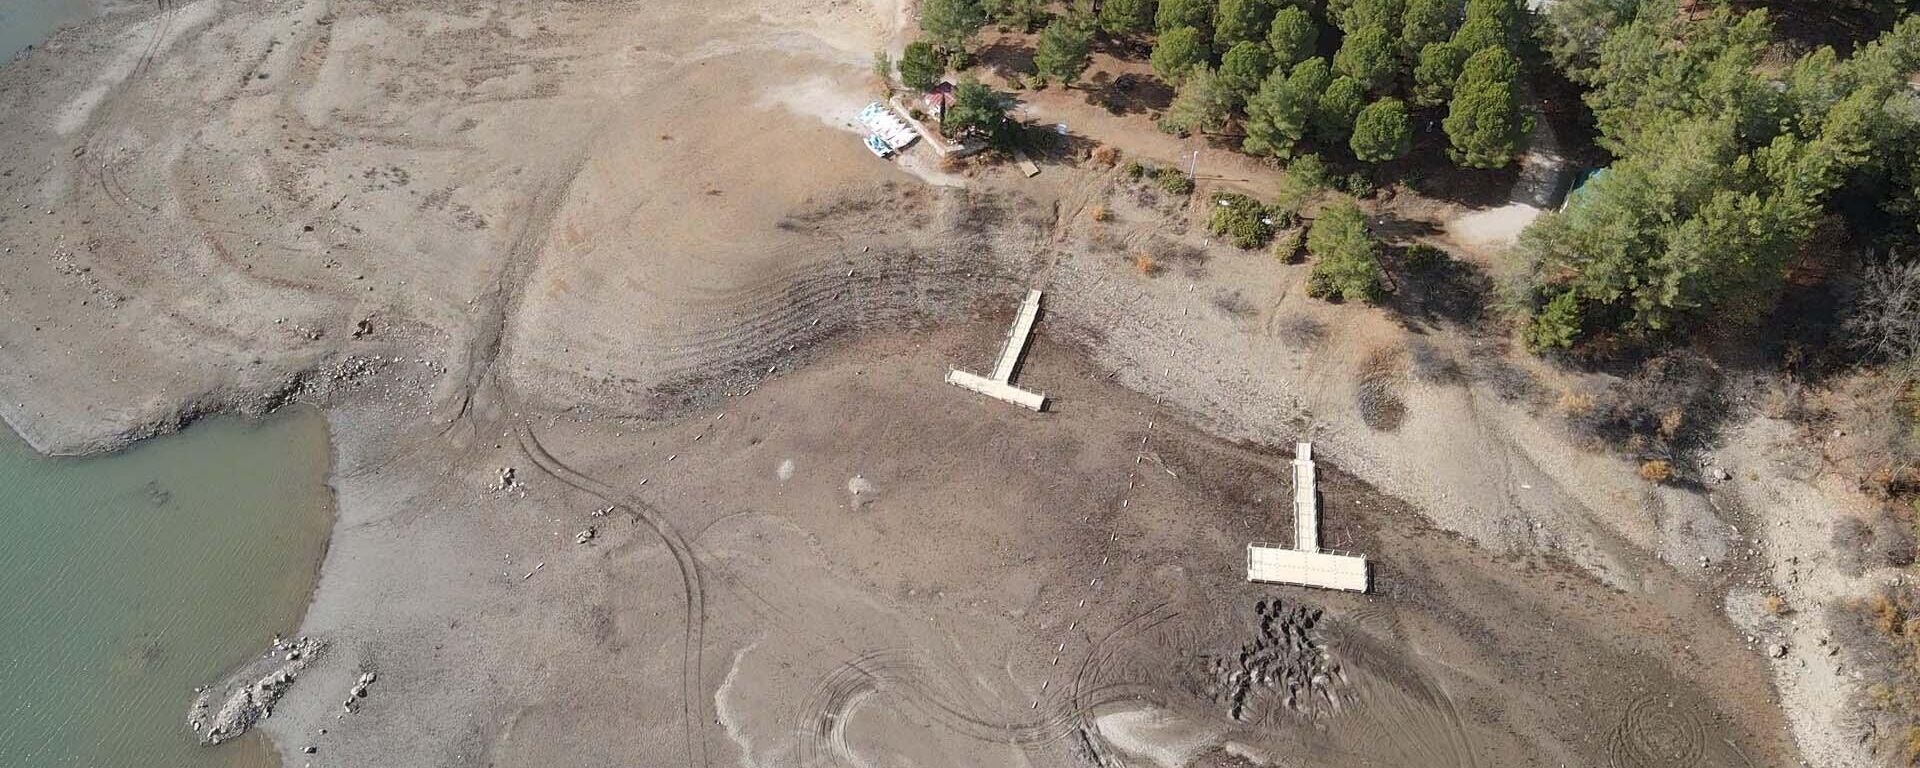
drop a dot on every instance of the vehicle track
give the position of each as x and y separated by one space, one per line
693 657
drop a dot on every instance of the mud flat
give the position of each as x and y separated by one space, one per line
620 250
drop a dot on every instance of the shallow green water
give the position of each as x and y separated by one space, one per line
128 579
27 22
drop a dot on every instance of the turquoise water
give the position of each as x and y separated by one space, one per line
27 22
126 580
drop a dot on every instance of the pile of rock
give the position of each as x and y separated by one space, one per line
358 691
1285 663
248 696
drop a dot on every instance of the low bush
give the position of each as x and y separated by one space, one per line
1244 221
1173 181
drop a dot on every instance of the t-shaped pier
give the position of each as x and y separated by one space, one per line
1304 563
1000 386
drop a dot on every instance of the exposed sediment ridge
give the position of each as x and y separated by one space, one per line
248 695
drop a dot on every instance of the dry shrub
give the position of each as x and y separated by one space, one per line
1776 605
1656 471
1378 395
1146 265
1671 421
1575 404
1101 213
1106 155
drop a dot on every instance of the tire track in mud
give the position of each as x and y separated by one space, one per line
820 720
693 656
1655 733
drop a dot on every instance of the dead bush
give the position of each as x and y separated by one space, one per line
1377 393
1776 605
1101 213
1668 408
1106 155
1656 471
1300 331
1146 265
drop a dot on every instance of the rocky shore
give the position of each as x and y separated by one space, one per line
227 710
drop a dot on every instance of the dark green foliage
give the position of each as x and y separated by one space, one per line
1134 170
1347 265
1644 83
950 23
1238 21
1292 36
1279 115
1367 55
1438 70
1489 24
1357 184
1024 15
1421 257
1337 108
1306 177
1360 14
1382 132
1721 178
979 112
1063 49
1173 181
1425 22
1244 221
1484 125
1202 105
1575 29
1557 325
1126 17
920 65
1174 14
1243 69
1177 52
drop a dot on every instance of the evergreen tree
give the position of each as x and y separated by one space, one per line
1174 14
1434 76
1177 52
1126 17
950 23
1490 23
1237 21
1425 22
1360 14
1367 56
1063 49
1347 263
1292 36
1337 108
920 65
1243 69
979 112
1381 132
1279 115
1484 124
1202 104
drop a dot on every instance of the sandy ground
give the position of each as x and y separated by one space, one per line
631 252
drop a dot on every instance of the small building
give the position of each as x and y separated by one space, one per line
938 98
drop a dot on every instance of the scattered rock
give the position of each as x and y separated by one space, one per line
584 536
1777 650
248 696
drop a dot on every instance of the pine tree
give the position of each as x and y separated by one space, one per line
950 23
1434 76
1177 52
1243 69
1367 56
1279 115
1381 132
1063 49
1201 106
1292 36
1126 17
1334 113
1236 21
1484 124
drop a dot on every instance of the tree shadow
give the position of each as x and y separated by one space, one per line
1005 57
1443 292
1127 94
